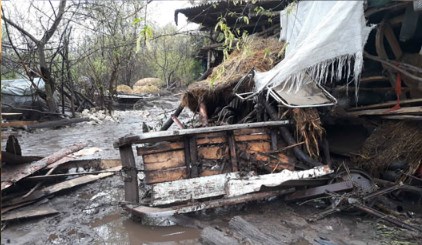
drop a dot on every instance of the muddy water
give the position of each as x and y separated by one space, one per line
91 214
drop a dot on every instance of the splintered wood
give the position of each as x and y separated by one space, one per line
18 172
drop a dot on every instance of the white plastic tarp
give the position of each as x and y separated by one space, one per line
323 37
21 87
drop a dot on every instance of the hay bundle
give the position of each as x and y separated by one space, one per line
308 129
257 53
149 81
389 143
147 89
124 89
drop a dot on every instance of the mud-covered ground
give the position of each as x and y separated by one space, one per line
91 214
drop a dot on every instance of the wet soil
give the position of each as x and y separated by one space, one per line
91 214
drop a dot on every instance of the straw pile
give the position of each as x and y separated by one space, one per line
257 53
391 142
146 89
149 81
124 89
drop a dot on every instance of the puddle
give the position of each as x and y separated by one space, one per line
120 229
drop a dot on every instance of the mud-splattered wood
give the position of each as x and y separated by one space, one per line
212 152
193 151
15 173
169 135
190 189
251 232
46 191
233 153
32 213
158 148
241 186
212 236
129 174
164 160
159 176
154 212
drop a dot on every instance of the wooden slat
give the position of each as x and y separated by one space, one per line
160 147
212 152
233 152
129 174
212 236
168 135
251 232
190 189
164 160
18 124
251 137
211 140
386 104
159 176
32 213
378 112
193 150
250 131
241 186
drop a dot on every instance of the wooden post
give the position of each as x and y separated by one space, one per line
232 149
170 121
187 157
193 150
129 174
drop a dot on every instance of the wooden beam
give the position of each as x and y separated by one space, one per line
380 112
160 147
241 186
164 160
212 236
386 104
233 154
129 174
193 151
251 232
31 213
176 134
14 173
190 189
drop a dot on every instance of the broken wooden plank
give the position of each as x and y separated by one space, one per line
190 189
251 232
168 135
12 159
12 174
60 176
241 186
160 147
386 104
232 150
156 212
380 112
158 176
32 213
212 236
130 173
49 190
164 160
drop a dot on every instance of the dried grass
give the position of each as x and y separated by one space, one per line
390 142
308 129
124 89
257 53
149 81
147 89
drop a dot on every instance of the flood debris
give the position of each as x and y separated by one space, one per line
40 177
266 116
